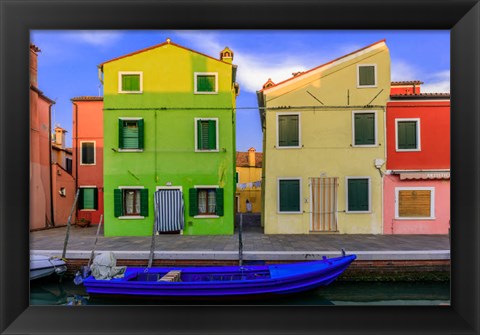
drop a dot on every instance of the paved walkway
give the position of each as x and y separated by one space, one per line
256 245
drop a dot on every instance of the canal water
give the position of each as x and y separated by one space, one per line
49 291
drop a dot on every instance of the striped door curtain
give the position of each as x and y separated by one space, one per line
324 204
169 210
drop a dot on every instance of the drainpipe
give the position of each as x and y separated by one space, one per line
52 214
76 148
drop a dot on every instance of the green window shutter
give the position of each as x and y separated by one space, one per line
118 202
366 75
130 134
288 134
141 132
219 198
364 128
80 199
95 198
120 134
131 82
206 83
407 135
236 177
193 202
289 195
358 195
212 134
88 198
88 153
144 202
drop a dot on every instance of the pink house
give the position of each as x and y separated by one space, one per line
88 156
41 199
417 181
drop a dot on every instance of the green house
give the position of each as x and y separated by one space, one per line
169 137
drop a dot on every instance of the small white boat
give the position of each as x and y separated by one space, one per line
43 266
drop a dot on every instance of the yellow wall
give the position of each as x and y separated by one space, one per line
253 194
326 140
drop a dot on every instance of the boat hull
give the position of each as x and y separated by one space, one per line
44 266
228 281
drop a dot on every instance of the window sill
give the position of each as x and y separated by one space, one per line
132 217
88 210
358 212
289 212
215 150
88 164
130 150
130 92
206 217
367 86
407 150
365 145
416 219
205 92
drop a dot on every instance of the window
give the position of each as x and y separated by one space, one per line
367 75
358 194
408 134
289 193
414 203
206 201
130 82
364 128
130 134
288 130
206 82
206 133
87 153
68 165
130 202
88 198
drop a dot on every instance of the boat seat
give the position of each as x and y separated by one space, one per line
172 276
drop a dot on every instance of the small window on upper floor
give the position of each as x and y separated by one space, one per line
206 82
367 75
130 82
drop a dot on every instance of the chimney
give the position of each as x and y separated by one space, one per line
33 64
226 55
251 157
60 137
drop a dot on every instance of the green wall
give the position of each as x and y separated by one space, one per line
169 107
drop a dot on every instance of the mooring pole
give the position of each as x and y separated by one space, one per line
240 242
152 248
67 236
95 244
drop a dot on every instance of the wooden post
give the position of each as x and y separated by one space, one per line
152 247
67 236
240 243
95 244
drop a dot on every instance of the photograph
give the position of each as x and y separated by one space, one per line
239 168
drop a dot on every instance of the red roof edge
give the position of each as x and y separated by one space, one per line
332 61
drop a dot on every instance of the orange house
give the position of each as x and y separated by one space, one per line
87 150
41 196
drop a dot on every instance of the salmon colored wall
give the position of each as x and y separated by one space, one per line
62 204
434 135
88 124
40 203
439 225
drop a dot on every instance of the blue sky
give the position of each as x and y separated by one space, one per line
67 63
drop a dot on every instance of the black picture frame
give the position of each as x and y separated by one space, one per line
19 16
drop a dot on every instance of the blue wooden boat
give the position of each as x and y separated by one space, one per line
223 281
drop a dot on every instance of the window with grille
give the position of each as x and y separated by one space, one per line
288 126
289 196
358 194
206 82
414 203
366 76
364 129
130 202
130 82
408 134
206 201
87 153
131 134
206 134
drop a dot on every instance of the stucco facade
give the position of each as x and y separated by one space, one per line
249 186
168 106
417 184
326 155
88 171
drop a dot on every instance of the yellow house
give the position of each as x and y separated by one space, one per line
249 181
324 146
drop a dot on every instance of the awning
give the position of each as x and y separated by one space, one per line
424 175
168 210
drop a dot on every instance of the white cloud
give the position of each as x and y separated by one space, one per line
403 71
437 83
97 37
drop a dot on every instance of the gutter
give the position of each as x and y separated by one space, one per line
52 214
